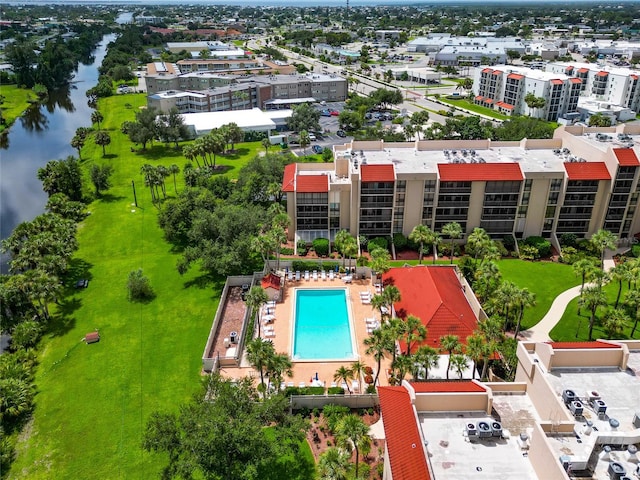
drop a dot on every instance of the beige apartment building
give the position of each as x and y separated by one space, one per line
581 180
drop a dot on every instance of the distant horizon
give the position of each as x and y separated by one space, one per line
313 3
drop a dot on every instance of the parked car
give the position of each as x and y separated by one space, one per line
317 149
341 133
334 113
325 113
312 137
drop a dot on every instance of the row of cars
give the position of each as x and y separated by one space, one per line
329 113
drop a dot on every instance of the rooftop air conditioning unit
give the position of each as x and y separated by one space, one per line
484 429
599 406
616 471
593 395
576 408
471 430
496 429
568 396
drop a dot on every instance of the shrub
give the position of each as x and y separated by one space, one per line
529 252
444 249
368 371
333 413
139 287
635 250
370 411
371 389
569 255
569 240
509 242
335 391
286 251
302 265
321 247
502 250
543 245
302 247
362 261
378 242
399 241
316 412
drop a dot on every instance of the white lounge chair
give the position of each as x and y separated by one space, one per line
365 299
347 279
355 386
268 310
334 384
270 334
290 275
271 304
267 329
297 275
290 384
370 320
315 275
323 275
331 275
306 275
302 385
268 318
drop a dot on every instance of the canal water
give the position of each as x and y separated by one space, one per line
43 133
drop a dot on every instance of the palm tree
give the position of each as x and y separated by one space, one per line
103 139
591 298
376 344
16 397
453 230
458 363
622 272
504 299
174 170
392 328
353 433
614 322
260 353
255 299
413 331
332 464
391 296
524 299
632 299
583 267
402 365
266 143
277 367
487 280
480 245
421 234
476 351
343 375
427 357
357 368
451 345
603 240
96 117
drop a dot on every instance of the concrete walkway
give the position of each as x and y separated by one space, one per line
540 331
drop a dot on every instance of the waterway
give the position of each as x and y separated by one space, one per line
43 133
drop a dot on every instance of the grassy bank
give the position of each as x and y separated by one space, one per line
93 400
16 101
472 107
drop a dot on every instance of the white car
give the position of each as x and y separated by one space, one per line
312 137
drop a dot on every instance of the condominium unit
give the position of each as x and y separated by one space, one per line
578 182
572 412
244 92
614 86
505 87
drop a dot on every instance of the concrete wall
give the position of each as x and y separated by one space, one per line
507 387
453 402
543 458
582 357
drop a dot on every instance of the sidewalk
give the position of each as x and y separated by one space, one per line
540 331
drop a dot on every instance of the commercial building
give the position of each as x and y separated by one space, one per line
242 92
505 87
578 182
248 120
215 49
572 412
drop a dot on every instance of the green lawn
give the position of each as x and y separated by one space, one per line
16 101
301 466
468 105
546 279
574 327
93 400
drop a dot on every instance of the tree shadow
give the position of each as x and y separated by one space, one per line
61 323
236 153
110 198
78 269
204 281
221 169
160 152
110 156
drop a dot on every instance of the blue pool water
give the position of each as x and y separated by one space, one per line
322 328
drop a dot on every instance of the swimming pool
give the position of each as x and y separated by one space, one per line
322 330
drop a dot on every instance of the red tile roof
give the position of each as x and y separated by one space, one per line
577 345
602 74
496 72
479 97
634 77
587 171
435 296
377 173
515 76
312 183
404 443
487 70
626 157
453 386
288 180
479 172
271 281
557 81
575 80
505 105
569 68
488 100
583 70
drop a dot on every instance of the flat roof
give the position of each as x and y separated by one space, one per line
454 457
253 119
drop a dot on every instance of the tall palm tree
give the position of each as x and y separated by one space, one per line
458 363
277 367
622 272
421 234
603 240
413 331
453 230
451 345
357 368
427 357
174 170
632 299
591 298
343 375
260 353
402 365
524 299
332 464
376 344
255 299
476 351
487 278
583 267
392 329
504 300
614 322
353 433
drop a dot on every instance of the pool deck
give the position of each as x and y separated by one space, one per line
305 371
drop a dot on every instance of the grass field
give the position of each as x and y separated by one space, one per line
16 100
472 107
93 400
573 327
